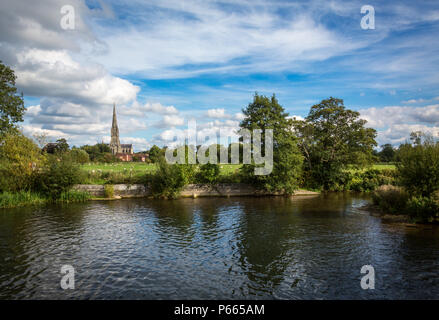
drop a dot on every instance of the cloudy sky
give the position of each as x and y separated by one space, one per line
164 62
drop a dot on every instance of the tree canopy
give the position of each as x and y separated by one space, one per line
331 138
11 104
266 113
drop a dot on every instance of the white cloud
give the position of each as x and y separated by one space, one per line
56 74
395 123
158 108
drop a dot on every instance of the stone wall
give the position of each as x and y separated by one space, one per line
191 190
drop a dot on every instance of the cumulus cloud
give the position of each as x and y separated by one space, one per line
395 123
56 74
220 113
158 108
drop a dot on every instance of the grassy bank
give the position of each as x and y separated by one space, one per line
133 172
28 198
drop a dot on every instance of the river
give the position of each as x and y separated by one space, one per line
214 248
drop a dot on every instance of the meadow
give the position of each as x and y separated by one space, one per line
134 172
131 172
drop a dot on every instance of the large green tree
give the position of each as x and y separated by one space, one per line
331 138
11 104
266 113
387 153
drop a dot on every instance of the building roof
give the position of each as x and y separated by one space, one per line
126 145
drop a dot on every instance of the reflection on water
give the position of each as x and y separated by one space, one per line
214 248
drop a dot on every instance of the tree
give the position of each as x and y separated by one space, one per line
20 157
418 168
155 153
79 156
11 105
266 113
57 176
62 146
387 153
331 138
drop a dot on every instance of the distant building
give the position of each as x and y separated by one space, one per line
50 147
122 151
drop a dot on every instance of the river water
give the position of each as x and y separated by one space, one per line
215 248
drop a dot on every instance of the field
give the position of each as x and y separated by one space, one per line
131 172
139 167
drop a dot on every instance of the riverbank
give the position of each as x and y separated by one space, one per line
97 192
401 219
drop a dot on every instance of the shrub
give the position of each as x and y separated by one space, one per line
19 158
109 191
419 168
209 173
370 180
423 209
169 179
79 156
57 176
391 199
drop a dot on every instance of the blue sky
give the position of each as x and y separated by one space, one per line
166 62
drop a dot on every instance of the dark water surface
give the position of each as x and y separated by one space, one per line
214 248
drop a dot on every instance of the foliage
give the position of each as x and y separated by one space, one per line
20 198
371 179
57 176
169 179
419 168
61 146
155 153
423 209
79 156
266 113
19 158
11 105
209 173
387 153
99 152
109 191
391 199
332 137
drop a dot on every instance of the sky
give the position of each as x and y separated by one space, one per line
165 62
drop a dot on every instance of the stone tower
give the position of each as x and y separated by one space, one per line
115 142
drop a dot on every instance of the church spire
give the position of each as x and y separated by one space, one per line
114 143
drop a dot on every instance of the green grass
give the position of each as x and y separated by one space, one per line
132 172
28 198
21 198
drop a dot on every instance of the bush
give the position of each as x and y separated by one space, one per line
391 199
79 156
369 180
169 179
419 168
109 191
57 176
423 209
19 158
209 173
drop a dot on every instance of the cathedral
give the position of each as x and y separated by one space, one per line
122 151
